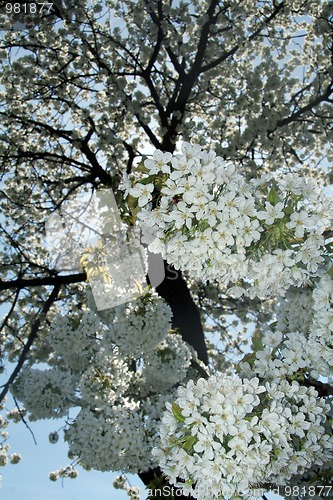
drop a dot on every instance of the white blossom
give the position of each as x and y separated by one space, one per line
229 453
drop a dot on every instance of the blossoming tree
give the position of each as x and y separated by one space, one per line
211 121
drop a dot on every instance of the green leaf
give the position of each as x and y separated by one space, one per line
248 358
141 167
132 202
189 443
273 197
146 180
177 413
203 225
288 210
257 342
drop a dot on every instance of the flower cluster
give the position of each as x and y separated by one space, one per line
13 458
106 379
116 268
167 365
321 335
120 483
294 312
45 393
119 367
225 434
208 220
112 439
140 325
72 339
282 352
68 471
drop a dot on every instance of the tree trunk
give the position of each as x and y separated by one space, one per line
186 319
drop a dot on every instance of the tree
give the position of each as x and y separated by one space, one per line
86 99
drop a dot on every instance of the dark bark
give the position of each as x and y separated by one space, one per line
324 390
147 477
55 280
186 317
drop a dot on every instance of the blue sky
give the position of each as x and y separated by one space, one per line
29 480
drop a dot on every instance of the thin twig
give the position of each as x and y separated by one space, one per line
31 339
24 420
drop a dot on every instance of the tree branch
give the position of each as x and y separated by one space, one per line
324 390
32 336
186 317
293 117
57 280
232 51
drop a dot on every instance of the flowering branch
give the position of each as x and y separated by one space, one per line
42 281
32 336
